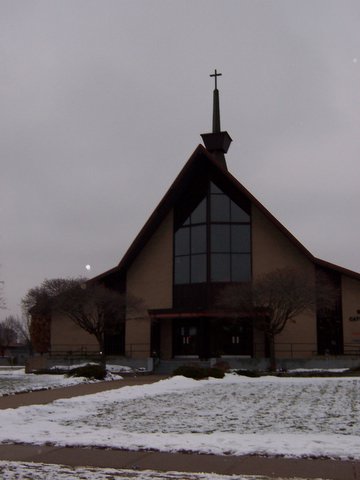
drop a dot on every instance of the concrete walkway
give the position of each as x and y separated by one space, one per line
182 462
276 467
40 397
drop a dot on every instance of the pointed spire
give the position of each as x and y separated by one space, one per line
216 105
217 142
216 112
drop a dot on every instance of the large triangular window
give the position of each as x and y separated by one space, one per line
213 243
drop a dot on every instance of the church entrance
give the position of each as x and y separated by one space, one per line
212 337
236 338
186 337
230 337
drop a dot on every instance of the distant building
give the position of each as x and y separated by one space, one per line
206 232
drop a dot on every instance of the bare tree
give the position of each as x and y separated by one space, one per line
271 301
21 328
8 332
41 299
37 306
93 307
14 327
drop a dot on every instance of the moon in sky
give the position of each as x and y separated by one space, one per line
88 267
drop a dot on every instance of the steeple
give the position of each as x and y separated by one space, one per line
217 142
216 105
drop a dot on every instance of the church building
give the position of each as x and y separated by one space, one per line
209 231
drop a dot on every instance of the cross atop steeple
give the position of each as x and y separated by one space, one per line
217 142
216 75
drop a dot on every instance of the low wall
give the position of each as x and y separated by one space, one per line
325 362
261 364
320 362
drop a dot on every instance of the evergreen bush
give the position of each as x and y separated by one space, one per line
198 373
249 373
91 371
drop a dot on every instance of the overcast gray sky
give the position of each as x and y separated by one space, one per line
103 101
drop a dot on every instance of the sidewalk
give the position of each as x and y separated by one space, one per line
182 462
40 397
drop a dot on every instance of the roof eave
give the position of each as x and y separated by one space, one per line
337 268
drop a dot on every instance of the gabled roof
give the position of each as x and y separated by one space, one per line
202 158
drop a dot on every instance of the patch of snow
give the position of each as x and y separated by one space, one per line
16 381
40 471
109 367
112 376
72 366
8 371
119 368
315 370
236 415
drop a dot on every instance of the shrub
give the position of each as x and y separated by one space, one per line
249 373
215 372
190 371
198 373
91 371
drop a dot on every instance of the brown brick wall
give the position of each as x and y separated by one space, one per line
350 308
66 337
272 249
150 279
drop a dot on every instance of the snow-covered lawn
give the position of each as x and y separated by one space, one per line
15 380
237 415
